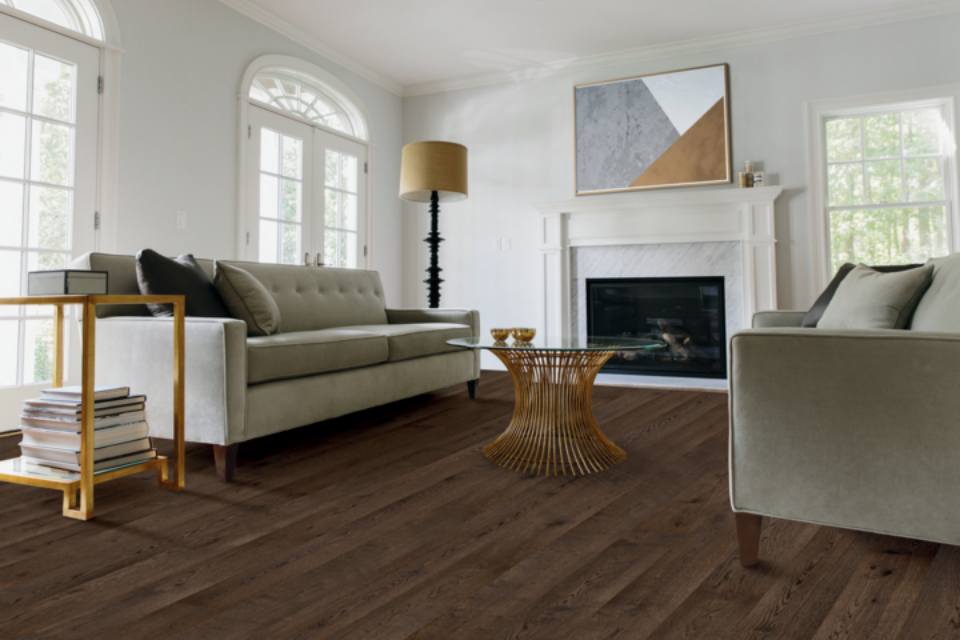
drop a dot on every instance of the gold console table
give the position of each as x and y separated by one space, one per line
77 487
553 430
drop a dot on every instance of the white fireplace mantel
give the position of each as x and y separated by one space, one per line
659 217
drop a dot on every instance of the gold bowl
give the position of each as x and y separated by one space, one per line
523 334
500 335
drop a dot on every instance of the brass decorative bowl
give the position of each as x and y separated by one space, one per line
500 335
523 334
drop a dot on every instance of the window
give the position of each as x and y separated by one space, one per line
888 182
76 15
305 181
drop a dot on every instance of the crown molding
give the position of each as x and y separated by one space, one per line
689 47
270 20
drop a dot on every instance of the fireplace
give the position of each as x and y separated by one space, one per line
685 313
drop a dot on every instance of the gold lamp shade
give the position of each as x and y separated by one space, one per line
433 166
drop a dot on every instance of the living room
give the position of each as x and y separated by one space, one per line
478 319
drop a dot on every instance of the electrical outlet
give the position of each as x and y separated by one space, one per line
181 220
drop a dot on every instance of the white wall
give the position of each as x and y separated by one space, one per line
520 138
181 67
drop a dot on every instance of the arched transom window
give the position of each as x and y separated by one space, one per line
298 95
76 15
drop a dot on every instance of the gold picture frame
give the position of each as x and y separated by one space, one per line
653 131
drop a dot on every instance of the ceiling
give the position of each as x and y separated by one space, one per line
415 44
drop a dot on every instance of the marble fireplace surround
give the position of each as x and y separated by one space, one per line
705 232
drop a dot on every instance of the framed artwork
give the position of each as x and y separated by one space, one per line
665 129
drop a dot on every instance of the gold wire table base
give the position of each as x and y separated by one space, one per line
553 430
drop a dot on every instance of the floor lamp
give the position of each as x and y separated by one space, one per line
433 172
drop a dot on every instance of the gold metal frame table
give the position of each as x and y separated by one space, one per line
77 488
553 430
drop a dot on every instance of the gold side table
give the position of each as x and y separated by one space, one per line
553 430
77 487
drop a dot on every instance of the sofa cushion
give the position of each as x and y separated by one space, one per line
306 353
247 299
160 275
939 308
415 340
868 299
320 297
812 317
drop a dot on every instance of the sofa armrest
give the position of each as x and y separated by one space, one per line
459 316
138 352
855 429
764 319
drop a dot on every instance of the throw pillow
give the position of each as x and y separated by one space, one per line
813 316
939 309
159 275
870 299
247 299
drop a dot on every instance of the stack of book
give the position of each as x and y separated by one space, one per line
51 429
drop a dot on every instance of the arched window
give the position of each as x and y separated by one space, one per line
298 94
305 166
76 15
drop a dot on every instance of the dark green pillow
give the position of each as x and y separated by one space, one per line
160 275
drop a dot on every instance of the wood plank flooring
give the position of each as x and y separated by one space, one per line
390 524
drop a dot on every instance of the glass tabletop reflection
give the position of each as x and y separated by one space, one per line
590 343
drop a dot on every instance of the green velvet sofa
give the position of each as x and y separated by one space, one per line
338 350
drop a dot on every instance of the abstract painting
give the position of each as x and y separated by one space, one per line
660 130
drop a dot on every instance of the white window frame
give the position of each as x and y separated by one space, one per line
817 112
246 230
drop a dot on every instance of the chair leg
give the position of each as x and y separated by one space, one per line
748 537
472 389
225 457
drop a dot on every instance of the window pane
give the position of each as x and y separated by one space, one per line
269 151
331 208
292 157
924 179
292 201
11 213
881 136
9 279
348 212
268 241
290 244
269 196
883 177
49 222
341 171
923 132
330 244
8 352
52 155
843 139
53 88
350 250
888 236
13 80
38 351
13 133
845 184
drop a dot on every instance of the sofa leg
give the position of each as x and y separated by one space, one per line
225 457
472 389
748 537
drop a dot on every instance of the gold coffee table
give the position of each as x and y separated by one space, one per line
553 430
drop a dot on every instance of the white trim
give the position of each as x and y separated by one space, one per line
272 21
814 114
913 11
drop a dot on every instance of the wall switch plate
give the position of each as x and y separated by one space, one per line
181 220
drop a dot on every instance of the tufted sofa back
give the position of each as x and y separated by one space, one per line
308 297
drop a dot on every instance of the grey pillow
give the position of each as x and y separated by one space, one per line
869 299
939 309
812 317
247 299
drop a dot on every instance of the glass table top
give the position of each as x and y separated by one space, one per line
592 343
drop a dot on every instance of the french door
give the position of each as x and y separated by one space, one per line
306 193
48 160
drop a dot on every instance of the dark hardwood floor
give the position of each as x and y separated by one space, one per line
390 524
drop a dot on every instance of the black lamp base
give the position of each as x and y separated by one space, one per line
433 241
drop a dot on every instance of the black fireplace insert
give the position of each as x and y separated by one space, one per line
687 314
